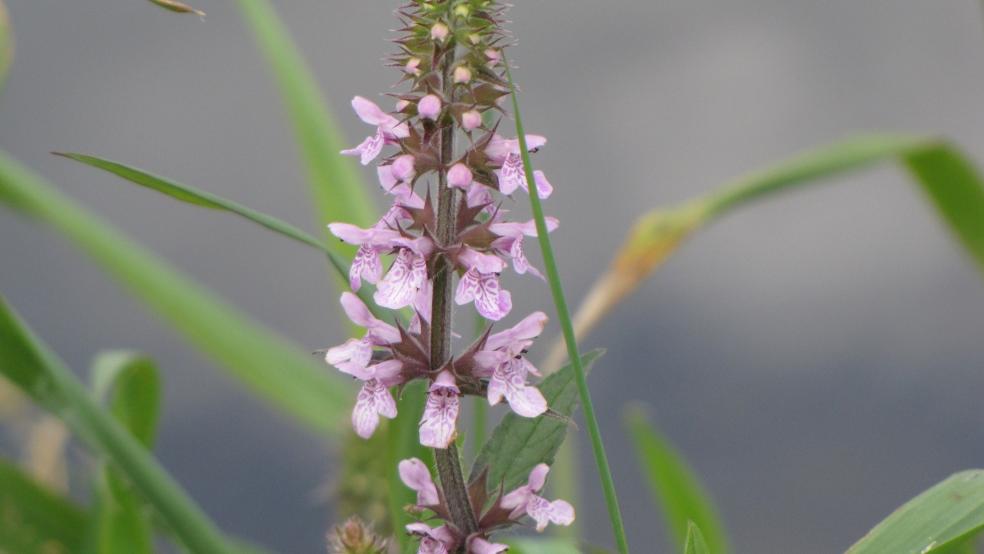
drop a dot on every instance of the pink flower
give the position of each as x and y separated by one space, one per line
359 351
462 74
415 474
372 242
483 289
525 500
403 282
429 107
412 67
439 31
439 540
511 174
478 545
374 398
459 176
471 120
388 130
510 242
493 56
503 363
437 427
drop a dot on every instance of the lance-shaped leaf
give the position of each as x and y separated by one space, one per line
42 376
6 44
338 192
674 485
944 518
204 199
34 520
695 543
949 181
178 7
129 383
271 366
518 444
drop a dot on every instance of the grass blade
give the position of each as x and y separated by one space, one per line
338 191
6 44
564 316
204 199
943 518
271 366
35 520
675 487
31 366
949 181
695 543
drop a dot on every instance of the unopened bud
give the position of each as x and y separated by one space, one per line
461 10
493 55
403 168
439 32
412 66
462 74
355 537
459 176
429 107
471 120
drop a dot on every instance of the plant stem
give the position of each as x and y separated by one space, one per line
564 316
448 463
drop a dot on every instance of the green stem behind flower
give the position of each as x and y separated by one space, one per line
564 316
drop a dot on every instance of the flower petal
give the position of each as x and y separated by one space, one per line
368 149
438 425
374 400
416 475
478 545
404 280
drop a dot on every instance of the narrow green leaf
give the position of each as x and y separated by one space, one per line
34 520
525 545
6 44
42 376
198 197
939 520
338 191
695 543
674 485
130 383
276 369
518 444
567 330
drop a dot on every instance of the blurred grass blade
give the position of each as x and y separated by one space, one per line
198 197
518 443
6 44
42 376
941 519
338 191
674 486
695 543
271 366
538 545
179 7
129 383
34 520
952 184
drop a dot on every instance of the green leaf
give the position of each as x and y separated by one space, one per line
674 485
950 182
941 519
538 545
129 383
43 377
198 197
274 368
338 191
6 44
518 444
34 520
695 543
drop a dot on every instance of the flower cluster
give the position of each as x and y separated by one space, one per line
450 54
490 513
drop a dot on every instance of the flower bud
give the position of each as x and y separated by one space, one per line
429 107
412 66
402 105
439 31
462 74
493 55
403 168
459 176
461 10
471 120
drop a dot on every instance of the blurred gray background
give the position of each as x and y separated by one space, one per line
817 357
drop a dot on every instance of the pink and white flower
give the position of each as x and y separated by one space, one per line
511 173
359 351
438 425
374 399
436 540
491 301
388 130
403 282
416 475
525 500
510 242
503 363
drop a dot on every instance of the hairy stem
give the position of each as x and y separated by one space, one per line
448 464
